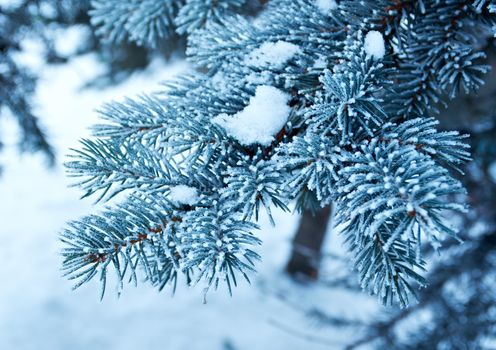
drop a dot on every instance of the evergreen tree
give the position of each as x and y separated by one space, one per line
38 20
312 102
16 83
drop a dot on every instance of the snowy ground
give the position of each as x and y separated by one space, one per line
39 311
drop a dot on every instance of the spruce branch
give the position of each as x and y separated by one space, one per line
349 95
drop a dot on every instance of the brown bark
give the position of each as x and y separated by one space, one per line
307 244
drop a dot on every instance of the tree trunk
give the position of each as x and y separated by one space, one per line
307 244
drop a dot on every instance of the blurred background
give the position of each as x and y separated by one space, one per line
54 75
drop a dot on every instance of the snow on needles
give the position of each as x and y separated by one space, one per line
257 123
325 6
183 194
374 44
272 54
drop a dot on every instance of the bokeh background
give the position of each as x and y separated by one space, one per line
75 74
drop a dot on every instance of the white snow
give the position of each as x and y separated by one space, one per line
259 78
374 44
320 63
67 41
326 5
183 194
265 115
271 54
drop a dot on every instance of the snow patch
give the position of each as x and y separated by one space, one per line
183 194
256 78
374 44
272 54
325 6
265 115
69 40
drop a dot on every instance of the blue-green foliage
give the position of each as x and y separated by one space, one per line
166 240
360 133
195 14
147 22
144 22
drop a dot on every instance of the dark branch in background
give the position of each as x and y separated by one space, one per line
307 243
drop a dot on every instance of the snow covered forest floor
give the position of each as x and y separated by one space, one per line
38 310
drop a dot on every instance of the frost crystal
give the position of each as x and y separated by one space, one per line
219 81
320 63
264 117
374 44
272 54
183 194
326 5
